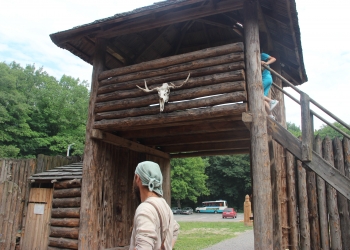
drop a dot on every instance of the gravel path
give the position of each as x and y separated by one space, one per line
244 241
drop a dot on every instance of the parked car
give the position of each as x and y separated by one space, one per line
229 213
187 210
176 210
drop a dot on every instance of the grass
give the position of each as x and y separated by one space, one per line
200 235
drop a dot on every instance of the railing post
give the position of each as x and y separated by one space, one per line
306 128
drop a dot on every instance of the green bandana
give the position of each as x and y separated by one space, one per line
150 176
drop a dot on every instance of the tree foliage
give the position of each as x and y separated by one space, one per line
326 130
39 114
294 129
229 178
188 179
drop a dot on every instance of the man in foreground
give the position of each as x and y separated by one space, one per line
154 225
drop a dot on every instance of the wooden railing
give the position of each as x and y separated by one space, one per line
307 113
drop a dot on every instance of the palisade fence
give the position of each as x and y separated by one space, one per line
14 193
318 215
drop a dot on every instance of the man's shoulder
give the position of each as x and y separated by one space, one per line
264 56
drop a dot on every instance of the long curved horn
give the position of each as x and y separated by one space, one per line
146 89
173 86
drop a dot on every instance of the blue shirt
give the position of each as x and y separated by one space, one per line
265 73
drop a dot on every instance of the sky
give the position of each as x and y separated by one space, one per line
25 26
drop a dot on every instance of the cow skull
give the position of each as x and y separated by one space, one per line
163 91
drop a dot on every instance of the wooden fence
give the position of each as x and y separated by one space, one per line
318 215
14 193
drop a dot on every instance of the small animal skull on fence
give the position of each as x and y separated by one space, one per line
163 91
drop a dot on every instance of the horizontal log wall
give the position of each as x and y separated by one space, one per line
14 193
216 74
64 231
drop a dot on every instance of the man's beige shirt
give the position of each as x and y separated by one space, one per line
146 229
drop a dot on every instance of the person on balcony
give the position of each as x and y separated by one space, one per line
267 82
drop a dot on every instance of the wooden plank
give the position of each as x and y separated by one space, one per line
322 201
313 209
333 212
346 148
241 144
65 212
318 165
121 142
63 243
275 186
198 138
37 225
203 127
69 192
68 184
172 60
65 222
223 98
306 127
175 16
235 77
64 232
210 153
66 202
343 207
202 90
187 67
303 208
262 193
206 76
292 201
169 118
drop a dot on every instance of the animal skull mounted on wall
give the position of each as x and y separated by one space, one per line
163 91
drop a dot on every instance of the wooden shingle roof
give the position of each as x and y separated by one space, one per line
175 27
67 172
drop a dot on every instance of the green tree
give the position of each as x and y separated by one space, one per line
293 129
39 114
229 178
326 130
188 179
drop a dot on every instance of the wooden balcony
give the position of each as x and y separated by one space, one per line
203 117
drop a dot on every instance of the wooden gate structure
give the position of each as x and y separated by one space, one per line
219 110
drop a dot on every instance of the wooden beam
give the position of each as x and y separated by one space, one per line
322 168
150 44
173 60
262 193
207 75
198 138
210 153
171 107
188 67
121 142
230 145
88 236
306 127
203 127
85 30
168 118
174 16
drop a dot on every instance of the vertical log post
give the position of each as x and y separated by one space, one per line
346 148
303 208
262 198
306 128
292 202
276 187
334 223
89 227
342 201
322 201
